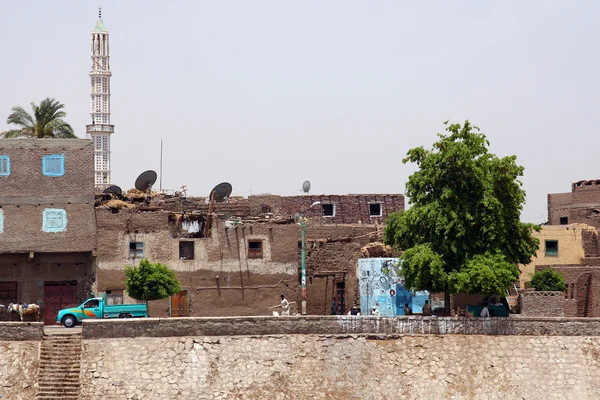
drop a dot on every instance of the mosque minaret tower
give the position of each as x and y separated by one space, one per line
100 129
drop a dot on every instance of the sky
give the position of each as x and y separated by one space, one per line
268 94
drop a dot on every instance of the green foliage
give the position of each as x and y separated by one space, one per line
462 232
151 281
548 280
46 121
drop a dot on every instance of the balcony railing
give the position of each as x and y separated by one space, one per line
100 128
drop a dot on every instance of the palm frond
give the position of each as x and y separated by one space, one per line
20 117
15 133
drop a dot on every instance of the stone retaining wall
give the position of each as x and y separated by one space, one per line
165 327
21 330
342 367
18 368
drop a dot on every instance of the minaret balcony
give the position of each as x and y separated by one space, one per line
100 128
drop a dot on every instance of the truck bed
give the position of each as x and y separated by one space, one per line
135 310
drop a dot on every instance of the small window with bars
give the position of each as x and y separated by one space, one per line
53 165
54 220
255 249
4 165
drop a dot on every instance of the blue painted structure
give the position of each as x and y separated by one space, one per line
54 220
382 285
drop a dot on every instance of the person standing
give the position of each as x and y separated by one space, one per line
375 312
334 306
426 309
485 312
407 309
285 306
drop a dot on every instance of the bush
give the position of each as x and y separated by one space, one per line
548 280
151 281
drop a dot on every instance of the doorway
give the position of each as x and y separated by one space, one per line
58 295
180 305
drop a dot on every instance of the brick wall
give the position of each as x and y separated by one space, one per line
583 289
26 178
543 304
23 229
26 192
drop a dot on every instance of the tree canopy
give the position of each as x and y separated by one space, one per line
46 121
548 280
151 281
462 233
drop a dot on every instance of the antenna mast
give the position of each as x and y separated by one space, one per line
161 165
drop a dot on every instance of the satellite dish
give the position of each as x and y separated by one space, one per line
145 180
113 190
221 191
306 186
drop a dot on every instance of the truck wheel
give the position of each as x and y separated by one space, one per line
125 315
69 321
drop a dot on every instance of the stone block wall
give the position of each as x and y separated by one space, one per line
343 367
19 361
330 325
543 304
18 331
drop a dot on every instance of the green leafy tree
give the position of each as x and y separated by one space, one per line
151 281
462 233
46 121
548 280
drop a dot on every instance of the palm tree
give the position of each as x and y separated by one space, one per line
47 121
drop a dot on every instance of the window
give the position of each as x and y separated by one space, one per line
551 248
328 210
255 249
136 249
186 250
375 209
8 293
1 220
4 165
564 220
53 165
114 297
54 220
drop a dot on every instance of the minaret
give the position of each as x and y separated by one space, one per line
100 129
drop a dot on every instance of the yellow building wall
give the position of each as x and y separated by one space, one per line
570 248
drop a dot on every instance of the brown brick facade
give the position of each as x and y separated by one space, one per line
582 205
542 304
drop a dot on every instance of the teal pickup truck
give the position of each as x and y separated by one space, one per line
96 308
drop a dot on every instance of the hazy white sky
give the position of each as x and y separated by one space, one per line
267 94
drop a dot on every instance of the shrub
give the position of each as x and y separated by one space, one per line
548 280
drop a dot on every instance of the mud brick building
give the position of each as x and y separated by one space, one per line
249 257
47 222
581 205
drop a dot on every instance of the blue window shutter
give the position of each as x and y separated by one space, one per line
53 165
4 165
54 220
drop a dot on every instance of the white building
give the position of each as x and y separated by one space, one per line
100 129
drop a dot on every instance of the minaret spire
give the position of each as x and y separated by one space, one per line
100 129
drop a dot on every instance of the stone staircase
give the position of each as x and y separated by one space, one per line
60 365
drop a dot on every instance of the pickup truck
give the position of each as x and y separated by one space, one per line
97 308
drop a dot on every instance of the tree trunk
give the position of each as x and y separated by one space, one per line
447 301
147 309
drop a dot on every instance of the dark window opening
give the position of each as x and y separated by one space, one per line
186 250
375 209
8 293
564 220
255 249
551 248
328 210
136 249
